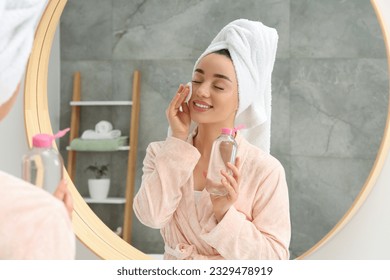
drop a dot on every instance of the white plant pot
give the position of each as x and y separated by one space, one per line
98 188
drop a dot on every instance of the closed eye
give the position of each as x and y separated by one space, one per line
219 88
196 82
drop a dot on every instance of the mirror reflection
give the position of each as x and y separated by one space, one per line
329 93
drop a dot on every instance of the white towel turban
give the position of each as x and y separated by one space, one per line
252 47
18 20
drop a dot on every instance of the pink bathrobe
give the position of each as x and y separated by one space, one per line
33 223
257 226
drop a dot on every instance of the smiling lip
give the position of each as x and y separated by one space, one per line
201 106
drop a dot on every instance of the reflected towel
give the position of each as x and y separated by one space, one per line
18 20
103 127
93 135
103 145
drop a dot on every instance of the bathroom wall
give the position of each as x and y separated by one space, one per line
330 91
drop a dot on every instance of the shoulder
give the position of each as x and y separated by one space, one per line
154 146
258 160
170 144
20 199
34 218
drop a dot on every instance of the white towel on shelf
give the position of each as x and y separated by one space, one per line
103 127
93 135
18 20
252 47
103 130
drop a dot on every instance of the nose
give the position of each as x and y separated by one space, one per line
203 91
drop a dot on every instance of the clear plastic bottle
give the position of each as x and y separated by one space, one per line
43 165
224 150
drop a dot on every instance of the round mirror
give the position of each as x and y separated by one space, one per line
327 140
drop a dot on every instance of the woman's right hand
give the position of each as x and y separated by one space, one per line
179 120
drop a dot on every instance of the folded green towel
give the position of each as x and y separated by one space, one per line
100 145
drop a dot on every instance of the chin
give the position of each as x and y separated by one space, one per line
199 118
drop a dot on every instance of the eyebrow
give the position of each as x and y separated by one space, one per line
215 75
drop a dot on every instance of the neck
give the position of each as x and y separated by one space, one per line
205 137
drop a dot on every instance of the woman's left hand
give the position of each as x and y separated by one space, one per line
63 194
221 204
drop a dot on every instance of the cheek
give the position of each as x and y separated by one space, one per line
194 89
234 101
227 103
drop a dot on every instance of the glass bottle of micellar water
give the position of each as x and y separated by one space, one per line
224 150
42 165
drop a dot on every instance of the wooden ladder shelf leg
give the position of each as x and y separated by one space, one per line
74 124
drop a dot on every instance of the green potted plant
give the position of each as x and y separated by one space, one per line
100 185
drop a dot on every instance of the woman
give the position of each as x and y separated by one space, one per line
33 223
252 220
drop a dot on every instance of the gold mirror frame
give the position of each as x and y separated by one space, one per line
90 230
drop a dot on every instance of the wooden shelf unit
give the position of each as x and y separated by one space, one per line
76 104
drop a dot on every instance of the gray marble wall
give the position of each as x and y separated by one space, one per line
330 91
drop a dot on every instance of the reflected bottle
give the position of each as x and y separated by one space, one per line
224 150
42 165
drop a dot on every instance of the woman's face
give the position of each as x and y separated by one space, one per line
214 91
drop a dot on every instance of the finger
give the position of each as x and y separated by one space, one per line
62 193
184 104
185 107
186 90
180 92
230 179
230 189
68 201
60 190
174 100
235 168
237 162
182 97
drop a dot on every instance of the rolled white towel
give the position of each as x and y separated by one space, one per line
93 135
103 127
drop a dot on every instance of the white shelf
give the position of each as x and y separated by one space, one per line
108 200
101 103
123 148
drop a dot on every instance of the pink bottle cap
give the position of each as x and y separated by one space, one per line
226 130
45 140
